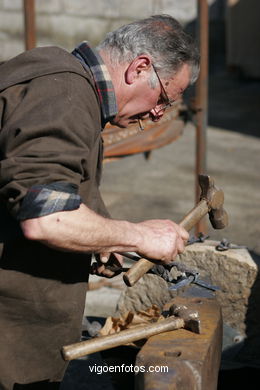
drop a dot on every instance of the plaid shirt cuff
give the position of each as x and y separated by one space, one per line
47 199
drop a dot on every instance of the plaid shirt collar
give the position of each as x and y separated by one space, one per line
91 60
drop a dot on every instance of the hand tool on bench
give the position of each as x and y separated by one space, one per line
180 317
211 202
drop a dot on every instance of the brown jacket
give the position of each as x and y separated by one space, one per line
50 130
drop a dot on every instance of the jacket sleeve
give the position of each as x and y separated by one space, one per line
50 125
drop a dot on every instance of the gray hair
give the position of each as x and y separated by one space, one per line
160 36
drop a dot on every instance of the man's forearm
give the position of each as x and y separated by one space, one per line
81 230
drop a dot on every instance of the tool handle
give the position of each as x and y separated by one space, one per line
143 265
83 348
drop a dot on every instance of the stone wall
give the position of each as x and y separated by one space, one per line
67 22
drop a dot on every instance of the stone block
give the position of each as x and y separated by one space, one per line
234 271
149 290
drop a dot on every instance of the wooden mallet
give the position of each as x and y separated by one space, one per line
180 317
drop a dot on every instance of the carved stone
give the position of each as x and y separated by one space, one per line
234 271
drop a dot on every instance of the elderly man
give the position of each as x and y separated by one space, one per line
53 107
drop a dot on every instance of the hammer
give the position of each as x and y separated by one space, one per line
180 317
211 201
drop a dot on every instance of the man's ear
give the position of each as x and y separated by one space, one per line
139 64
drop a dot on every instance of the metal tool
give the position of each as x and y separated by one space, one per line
224 245
211 202
180 317
189 275
183 281
199 238
189 278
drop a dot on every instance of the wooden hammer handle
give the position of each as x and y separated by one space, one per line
144 265
83 348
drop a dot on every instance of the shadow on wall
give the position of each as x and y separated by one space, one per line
234 83
241 361
251 349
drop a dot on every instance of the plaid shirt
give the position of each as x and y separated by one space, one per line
91 60
46 199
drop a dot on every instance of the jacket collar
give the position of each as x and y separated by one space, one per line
91 60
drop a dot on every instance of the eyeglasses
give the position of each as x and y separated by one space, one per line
164 98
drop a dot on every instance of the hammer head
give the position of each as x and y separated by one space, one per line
215 200
190 317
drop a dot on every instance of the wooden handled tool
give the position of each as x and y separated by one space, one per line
211 202
182 318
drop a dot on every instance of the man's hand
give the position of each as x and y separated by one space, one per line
107 265
161 240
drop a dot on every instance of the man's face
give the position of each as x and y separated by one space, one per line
145 101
